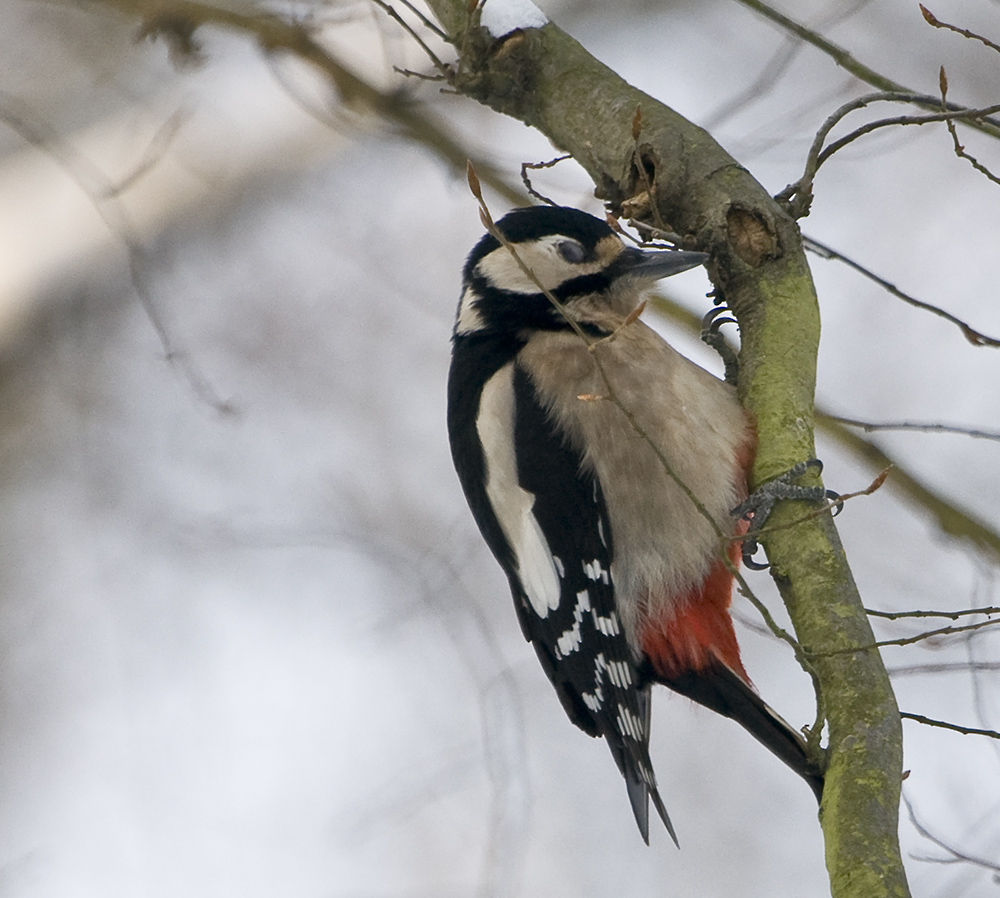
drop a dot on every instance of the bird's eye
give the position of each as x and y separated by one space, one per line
571 251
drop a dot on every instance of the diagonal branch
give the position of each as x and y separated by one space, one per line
847 62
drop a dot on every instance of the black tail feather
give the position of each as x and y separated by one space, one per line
720 689
633 762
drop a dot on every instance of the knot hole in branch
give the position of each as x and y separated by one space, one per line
751 235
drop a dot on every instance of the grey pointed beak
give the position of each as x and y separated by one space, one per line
656 264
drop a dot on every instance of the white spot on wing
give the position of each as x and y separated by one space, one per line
571 639
594 571
501 17
608 626
513 505
628 724
620 675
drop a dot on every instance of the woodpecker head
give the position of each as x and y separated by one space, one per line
573 255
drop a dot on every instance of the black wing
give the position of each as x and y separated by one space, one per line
580 640
581 643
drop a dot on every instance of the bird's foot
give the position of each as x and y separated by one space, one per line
757 507
711 336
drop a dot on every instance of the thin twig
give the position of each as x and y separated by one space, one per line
847 62
953 131
913 670
410 30
976 338
537 165
920 427
930 721
275 33
797 196
153 154
774 69
104 195
906 640
956 855
428 23
902 120
952 615
933 20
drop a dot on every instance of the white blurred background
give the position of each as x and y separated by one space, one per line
252 642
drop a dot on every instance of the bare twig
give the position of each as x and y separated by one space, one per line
104 195
943 724
930 117
775 68
920 427
428 23
955 854
953 131
275 33
935 22
537 165
154 152
976 338
906 640
911 670
847 62
412 32
797 196
952 615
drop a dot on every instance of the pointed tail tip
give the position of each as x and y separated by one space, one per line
639 794
662 811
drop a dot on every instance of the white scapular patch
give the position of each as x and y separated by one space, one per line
469 320
629 724
571 639
501 17
536 565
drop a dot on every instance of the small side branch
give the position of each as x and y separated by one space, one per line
976 338
943 724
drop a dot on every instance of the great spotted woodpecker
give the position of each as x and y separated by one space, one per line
617 575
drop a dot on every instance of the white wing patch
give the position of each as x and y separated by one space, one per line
536 565
469 320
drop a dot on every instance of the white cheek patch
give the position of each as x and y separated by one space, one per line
500 268
536 566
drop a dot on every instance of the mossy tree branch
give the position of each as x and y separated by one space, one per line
547 80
